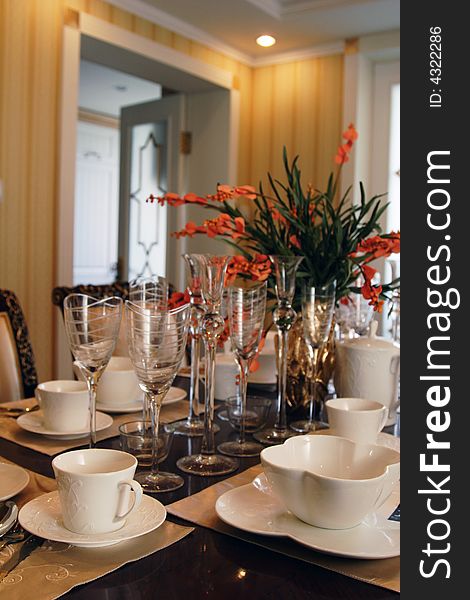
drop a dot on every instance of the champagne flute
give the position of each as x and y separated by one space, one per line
207 462
193 425
247 308
157 342
92 328
284 316
318 305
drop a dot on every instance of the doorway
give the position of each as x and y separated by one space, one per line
208 110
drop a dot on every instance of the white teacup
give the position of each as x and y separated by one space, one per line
357 419
118 385
330 481
94 489
226 371
64 405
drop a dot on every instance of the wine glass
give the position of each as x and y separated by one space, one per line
193 425
247 308
284 316
92 328
207 462
149 290
318 305
157 341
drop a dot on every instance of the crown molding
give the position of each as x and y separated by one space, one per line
159 17
302 54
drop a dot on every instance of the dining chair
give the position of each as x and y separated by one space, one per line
117 288
18 376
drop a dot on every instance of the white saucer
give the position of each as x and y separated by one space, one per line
13 479
175 394
33 422
255 508
42 517
120 408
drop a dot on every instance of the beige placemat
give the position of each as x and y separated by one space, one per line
10 430
55 568
200 509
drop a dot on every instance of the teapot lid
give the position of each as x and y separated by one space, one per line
372 341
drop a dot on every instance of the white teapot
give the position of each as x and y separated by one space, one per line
369 367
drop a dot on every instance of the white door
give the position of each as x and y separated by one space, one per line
96 204
150 164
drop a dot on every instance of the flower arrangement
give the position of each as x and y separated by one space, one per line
337 239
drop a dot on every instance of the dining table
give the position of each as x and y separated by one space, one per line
206 563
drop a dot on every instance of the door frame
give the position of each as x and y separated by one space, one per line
76 25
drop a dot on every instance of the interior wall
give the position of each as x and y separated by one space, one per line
30 50
297 104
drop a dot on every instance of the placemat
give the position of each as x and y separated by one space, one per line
200 510
55 568
10 430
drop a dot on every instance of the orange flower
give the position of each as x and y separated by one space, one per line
294 241
350 134
190 229
369 291
178 299
257 269
378 246
342 154
227 192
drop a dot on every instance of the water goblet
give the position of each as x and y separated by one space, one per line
157 342
318 305
92 328
149 290
284 316
247 308
207 462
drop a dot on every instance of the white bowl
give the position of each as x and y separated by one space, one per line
328 481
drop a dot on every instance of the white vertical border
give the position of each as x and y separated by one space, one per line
70 76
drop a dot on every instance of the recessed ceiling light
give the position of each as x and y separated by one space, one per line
265 41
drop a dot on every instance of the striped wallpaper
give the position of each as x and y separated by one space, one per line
296 104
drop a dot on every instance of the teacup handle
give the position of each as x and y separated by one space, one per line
137 489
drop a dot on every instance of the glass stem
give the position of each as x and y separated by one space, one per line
281 419
243 390
146 407
208 442
154 406
194 382
92 383
313 384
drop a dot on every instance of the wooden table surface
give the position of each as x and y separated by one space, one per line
207 564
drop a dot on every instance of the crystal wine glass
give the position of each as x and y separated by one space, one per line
247 308
284 316
213 269
92 328
193 425
157 341
318 305
149 290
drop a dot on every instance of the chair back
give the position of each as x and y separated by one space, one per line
18 377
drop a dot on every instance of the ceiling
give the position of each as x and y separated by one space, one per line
104 90
296 24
